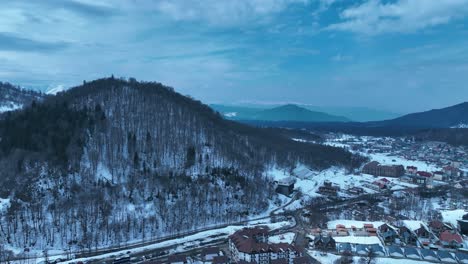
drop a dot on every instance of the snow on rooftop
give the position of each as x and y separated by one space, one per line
350 223
363 240
413 224
282 238
451 216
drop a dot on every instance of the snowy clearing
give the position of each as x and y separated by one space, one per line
283 238
452 216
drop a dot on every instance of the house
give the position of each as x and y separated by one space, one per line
344 248
376 169
251 245
328 189
395 252
422 232
326 243
361 249
439 175
452 172
462 257
220 260
285 186
424 174
208 254
177 259
451 239
438 227
463 224
355 190
411 169
406 236
429 255
387 233
376 250
446 256
412 253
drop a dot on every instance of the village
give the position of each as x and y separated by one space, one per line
406 204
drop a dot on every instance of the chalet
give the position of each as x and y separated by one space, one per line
344 248
376 169
424 174
422 232
412 253
446 256
452 172
439 175
407 236
387 233
376 250
395 252
450 239
361 249
326 243
429 255
355 190
285 186
438 227
462 257
329 189
463 224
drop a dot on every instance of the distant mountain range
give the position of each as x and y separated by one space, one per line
248 111
289 112
453 116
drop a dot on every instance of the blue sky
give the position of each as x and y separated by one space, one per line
398 55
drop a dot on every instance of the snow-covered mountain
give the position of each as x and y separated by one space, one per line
14 98
114 161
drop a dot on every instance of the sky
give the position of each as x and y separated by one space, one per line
395 55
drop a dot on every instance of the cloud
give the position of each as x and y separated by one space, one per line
402 16
10 42
223 13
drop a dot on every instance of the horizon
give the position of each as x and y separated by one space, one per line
383 55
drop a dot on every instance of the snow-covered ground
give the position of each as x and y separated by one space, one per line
4 204
386 159
451 216
282 238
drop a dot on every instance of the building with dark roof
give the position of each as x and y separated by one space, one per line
395 252
251 245
412 253
376 169
429 255
446 256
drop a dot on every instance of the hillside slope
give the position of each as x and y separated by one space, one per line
13 98
447 117
116 160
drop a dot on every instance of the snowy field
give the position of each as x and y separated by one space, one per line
384 159
350 223
451 216
370 240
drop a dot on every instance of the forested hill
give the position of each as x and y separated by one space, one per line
13 97
115 160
